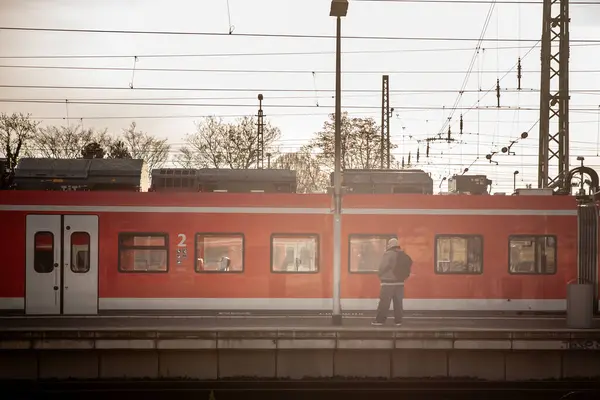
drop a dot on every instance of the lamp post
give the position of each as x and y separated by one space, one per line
515 181
339 9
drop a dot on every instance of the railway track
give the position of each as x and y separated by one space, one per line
326 389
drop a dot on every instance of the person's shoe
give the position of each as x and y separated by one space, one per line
375 323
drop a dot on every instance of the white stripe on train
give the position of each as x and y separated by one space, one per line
265 304
282 210
327 304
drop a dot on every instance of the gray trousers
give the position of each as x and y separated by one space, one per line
387 294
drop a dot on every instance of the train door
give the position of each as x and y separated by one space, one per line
61 264
42 264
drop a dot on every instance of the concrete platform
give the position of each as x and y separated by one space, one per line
295 348
276 332
177 322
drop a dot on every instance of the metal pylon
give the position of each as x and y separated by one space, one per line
554 95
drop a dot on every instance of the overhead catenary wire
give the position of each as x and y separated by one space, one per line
286 143
470 68
477 107
429 107
277 35
265 54
292 149
274 90
228 105
312 91
224 116
270 71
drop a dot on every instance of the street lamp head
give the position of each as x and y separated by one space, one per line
339 8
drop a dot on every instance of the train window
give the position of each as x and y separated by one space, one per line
143 252
80 252
529 254
459 254
294 253
43 255
365 252
219 252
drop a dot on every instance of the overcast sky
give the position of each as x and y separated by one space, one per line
409 62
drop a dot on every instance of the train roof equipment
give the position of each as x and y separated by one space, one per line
469 184
224 180
78 174
406 181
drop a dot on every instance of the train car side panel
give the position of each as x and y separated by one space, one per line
196 281
12 244
478 274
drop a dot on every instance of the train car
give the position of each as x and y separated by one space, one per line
91 252
87 252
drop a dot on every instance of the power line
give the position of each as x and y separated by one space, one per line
525 108
475 106
289 144
266 71
111 117
471 64
265 90
268 54
305 97
403 92
279 35
352 114
291 149
174 98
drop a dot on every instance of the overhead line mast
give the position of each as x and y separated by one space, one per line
554 96
385 122
260 153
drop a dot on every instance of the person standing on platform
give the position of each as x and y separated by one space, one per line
394 269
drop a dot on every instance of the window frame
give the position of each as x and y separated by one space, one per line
462 236
35 251
89 256
133 234
365 235
219 234
298 235
535 236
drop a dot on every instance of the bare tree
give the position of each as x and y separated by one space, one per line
218 144
360 140
311 177
143 146
67 141
16 132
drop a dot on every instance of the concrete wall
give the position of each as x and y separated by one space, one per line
487 355
493 365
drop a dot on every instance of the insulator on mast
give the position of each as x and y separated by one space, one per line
519 75
427 152
461 124
498 91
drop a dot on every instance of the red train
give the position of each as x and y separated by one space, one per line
94 252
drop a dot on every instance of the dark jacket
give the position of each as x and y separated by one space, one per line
388 264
